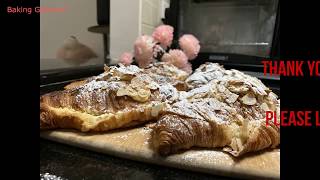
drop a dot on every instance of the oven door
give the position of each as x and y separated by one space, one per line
234 32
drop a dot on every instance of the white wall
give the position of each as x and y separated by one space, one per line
124 26
131 18
152 12
56 26
128 20
150 16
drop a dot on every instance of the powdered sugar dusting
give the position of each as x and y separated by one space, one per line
146 132
98 86
123 137
130 70
92 96
48 176
208 109
208 156
94 85
200 92
184 108
168 92
204 74
100 76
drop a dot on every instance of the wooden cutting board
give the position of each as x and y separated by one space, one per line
135 144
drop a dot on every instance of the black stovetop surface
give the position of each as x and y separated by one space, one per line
66 162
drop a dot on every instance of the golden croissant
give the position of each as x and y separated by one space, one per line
224 108
120 97
211 108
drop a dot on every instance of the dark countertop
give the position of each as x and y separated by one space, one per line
67 162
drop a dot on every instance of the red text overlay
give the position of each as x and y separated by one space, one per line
292 68
293 118
29 10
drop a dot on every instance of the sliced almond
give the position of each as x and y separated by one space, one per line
249 99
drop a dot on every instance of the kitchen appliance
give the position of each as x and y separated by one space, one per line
239 32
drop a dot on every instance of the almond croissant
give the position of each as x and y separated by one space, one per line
120 97
228 112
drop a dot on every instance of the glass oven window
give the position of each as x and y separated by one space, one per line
243 27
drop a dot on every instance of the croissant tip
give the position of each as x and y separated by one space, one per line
164 149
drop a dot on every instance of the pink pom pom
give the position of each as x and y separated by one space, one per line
190 45
164 35
126 58
187 68
143 50
176 57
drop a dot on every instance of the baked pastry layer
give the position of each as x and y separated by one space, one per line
227 111
211 108
121 96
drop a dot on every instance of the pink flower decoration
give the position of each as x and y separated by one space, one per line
164 35
187 68
190 45
176 57
126 58
143 50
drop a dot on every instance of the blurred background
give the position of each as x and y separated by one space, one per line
94 25
77 43
95 32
